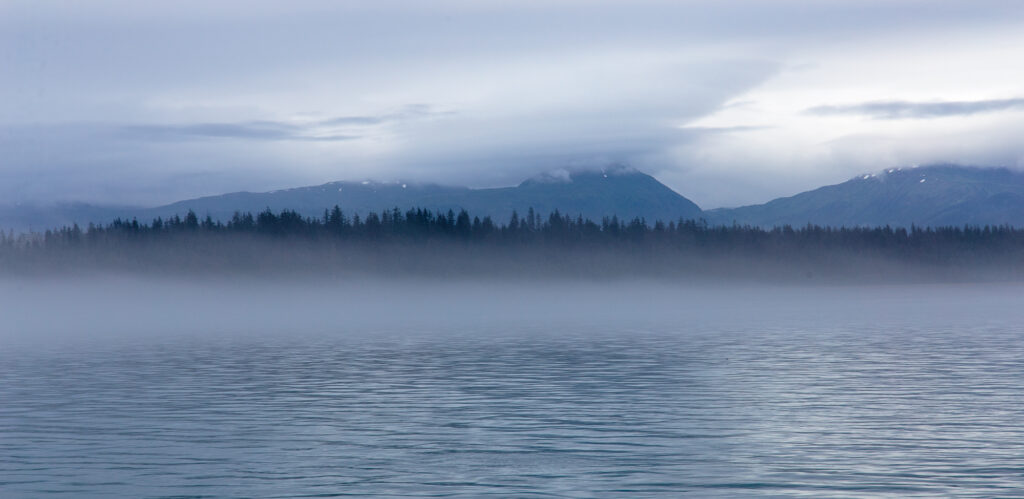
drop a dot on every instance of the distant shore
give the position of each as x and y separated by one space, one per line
421 243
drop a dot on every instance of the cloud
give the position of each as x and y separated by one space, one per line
316 130
711 130
412 111
895 110
122 101
257 130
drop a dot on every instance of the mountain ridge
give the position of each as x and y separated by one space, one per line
593 194
935 195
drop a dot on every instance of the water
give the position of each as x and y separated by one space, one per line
886 399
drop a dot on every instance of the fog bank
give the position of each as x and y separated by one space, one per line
67 311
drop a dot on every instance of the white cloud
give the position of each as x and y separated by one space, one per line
801 150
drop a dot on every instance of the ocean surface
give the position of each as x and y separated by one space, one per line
847 392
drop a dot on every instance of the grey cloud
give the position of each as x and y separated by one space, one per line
355 120
255 130
711 130
412 111
894 110
120 100
622 119
268 130
57 59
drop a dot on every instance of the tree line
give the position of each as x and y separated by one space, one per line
553 232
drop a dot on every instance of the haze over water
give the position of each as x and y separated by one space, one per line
168 389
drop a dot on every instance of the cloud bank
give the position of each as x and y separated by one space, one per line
729 102
894 110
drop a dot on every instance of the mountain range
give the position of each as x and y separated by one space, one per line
934 196
592 194
926 196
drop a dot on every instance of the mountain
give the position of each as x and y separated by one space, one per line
925 196
593 194
24 217
618 192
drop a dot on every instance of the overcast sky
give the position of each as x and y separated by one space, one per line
727 102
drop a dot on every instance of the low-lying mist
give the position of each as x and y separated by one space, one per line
62 311
258 257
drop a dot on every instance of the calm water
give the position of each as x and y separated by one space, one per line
779 407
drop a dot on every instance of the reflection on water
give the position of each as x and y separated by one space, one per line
583 411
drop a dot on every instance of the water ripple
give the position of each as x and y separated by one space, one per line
569 413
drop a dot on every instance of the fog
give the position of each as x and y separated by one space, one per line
67 311
684 253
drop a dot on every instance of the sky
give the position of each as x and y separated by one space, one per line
727 102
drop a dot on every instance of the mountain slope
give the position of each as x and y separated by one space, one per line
20 217
592 194
925 196
353 197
